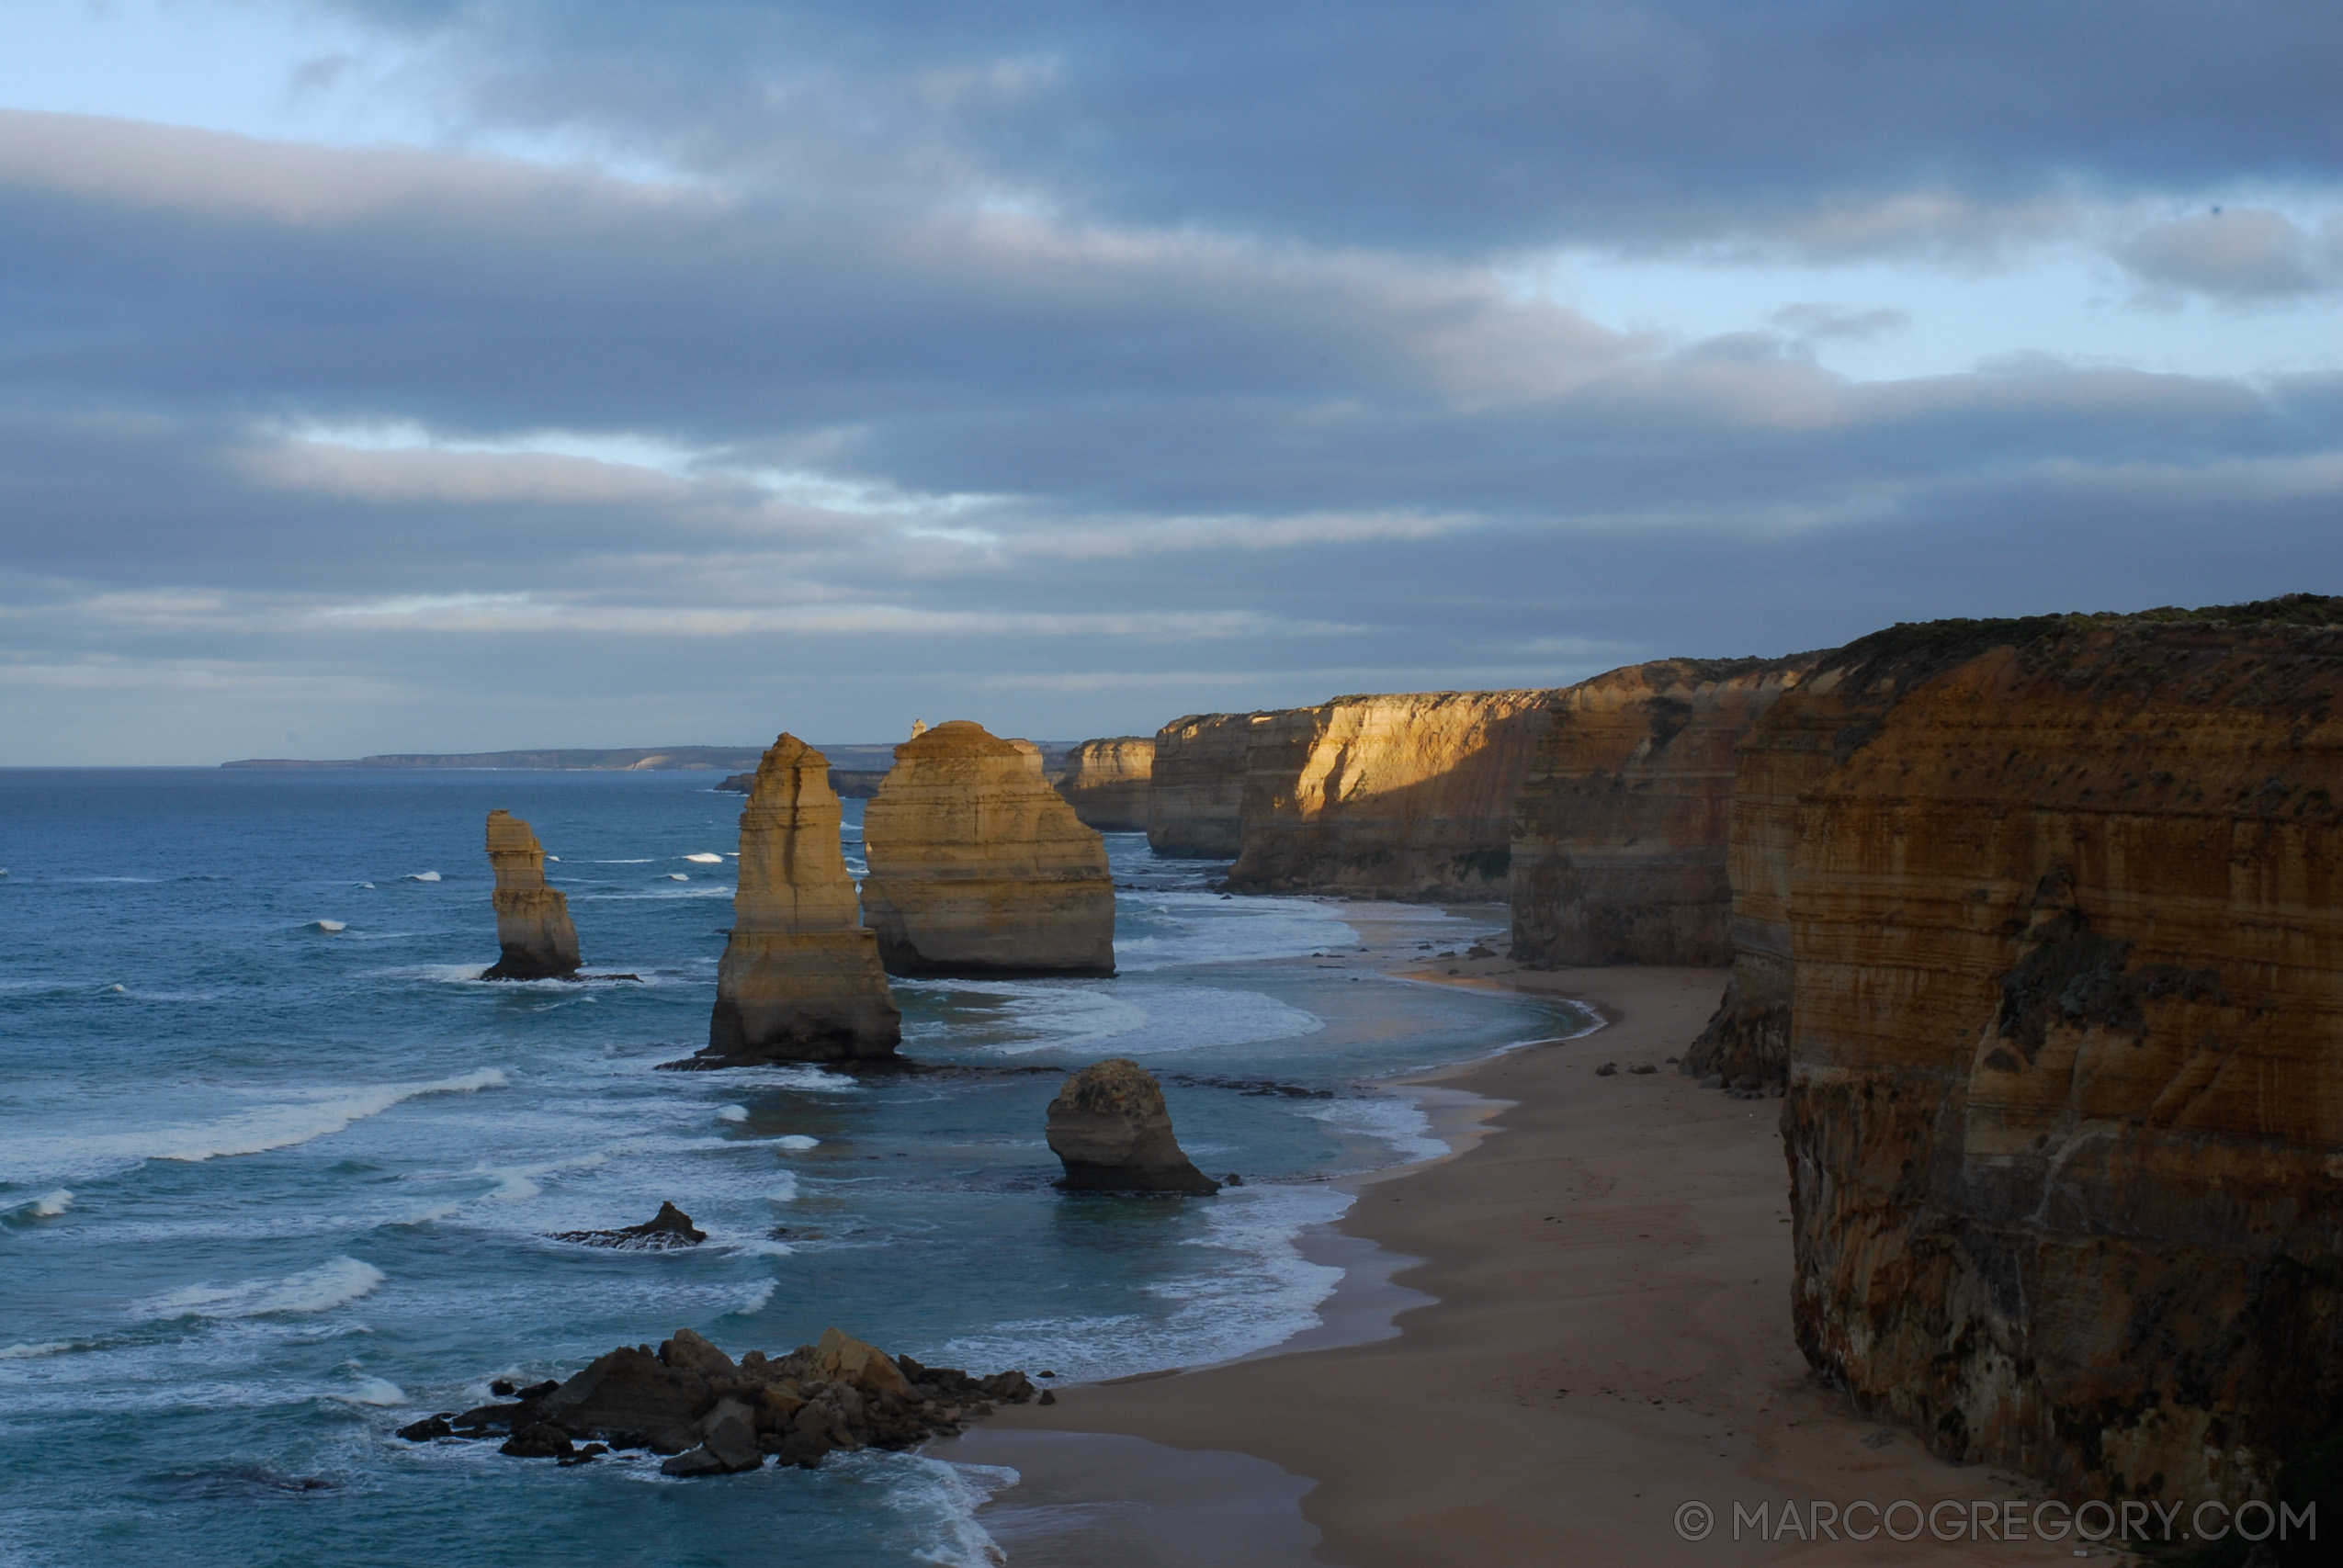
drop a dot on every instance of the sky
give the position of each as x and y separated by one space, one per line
457 375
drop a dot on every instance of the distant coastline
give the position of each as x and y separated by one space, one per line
635 759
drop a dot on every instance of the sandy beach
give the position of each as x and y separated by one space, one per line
1607 1344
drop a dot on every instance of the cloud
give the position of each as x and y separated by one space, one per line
2237 254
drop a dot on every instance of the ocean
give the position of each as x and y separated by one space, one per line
277 1175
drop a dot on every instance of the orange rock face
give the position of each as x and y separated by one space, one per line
800 979
1620 825
1405 796
977 866
1106 783
2064 1027
1196 790
534 934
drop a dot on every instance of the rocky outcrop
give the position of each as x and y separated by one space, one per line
1106 783
1621 824
978 867
2064 973
1196 790
712 1414
800 979
1404 796
669 1228
534 935
1110 1127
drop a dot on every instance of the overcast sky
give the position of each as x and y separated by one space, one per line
439 375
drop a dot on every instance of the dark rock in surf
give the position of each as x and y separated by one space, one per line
1111 1129
670 1227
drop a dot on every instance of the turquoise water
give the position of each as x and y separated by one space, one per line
269 1189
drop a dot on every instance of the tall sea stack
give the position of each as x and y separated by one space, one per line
800 980
977 866
533 928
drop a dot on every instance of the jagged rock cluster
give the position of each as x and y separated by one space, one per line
2040 921
534 935
712 1414
1620 825
978 867
1110 1128
668 1229
800 979
1108 783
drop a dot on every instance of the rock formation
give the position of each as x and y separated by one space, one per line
1196 791
2048 919
1403 797
533 930
668 1229
978 867
1620 825
1110 1128
713 1415
800 979
1106 783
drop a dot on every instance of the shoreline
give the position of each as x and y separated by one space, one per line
1571 1328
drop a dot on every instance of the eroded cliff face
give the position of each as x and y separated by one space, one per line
1620 825
2065 1108
1402 796
1196 791
977 866
534 934
1107 783
800 979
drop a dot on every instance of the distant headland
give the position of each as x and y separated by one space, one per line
630 758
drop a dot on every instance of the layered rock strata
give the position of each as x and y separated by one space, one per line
1107 783
1195 798
800 979
1402 796
2064 973
712 1414
534 935
1110 1127
1620 825
977 866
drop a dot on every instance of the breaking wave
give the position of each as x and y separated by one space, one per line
336 1282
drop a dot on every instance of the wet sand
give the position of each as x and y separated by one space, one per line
1608 1341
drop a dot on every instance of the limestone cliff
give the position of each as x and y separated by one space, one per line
1106 783
800 979
977 866
1620 825
2064 1107
534 935
1196 791
1404 796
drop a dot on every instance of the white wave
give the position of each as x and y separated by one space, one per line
798 1077
49 1205
32 1352
644 860
366 885
554 859
937 1501
754 1302
336 1282
331 925
437 1212
768 1249
796 1142
731 1113
1143 1020
677 876
248 1133
1203 928
786 1193
705 859
422 876
1399 1122
379 1392
117 990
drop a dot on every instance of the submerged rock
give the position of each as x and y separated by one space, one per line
713 1415
1110 1128
978 867
670 1227
533 930
800 979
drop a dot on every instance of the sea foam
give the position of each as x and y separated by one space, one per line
422 876
336 1282
705 859
331 925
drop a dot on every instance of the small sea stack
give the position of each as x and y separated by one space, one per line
1110 1127
533 928
800 979
978 867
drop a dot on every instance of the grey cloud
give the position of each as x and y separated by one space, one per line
2237 254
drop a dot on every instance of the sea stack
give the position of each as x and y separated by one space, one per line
533 928
800 980
1110 1127
978 867
1106 783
